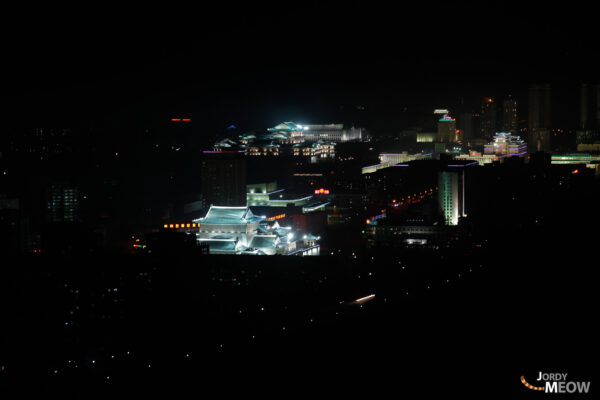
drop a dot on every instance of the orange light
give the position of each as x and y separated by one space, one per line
188 225
175 119
186 119
576 171
170 226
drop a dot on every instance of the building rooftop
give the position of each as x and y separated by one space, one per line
263 242
228 216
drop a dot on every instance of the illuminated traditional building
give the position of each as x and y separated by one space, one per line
285 139
505 144
236 230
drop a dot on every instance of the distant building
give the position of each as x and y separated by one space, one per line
62 203
394 159
510 116
331 132
447 130
539 118
590 160
482 159
236 230
488 117
505 144
451 194
426 137
289 139
267 194
223 178
465 126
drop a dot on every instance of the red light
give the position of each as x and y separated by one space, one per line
175 119
186 119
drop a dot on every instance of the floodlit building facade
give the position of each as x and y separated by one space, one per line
451 194
506 144
236 230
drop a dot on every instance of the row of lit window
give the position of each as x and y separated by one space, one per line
176 226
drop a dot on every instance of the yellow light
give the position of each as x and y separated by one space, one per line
188 225
193 225
176 225
165 226
170 226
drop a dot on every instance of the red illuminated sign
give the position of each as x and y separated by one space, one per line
273 218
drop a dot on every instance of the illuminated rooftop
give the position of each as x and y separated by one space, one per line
229 216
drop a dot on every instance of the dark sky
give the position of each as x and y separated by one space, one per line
255 65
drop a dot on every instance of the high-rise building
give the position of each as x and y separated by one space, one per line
488 117
62 203
451 195
223 178
539 118
465 126
447 129
510 117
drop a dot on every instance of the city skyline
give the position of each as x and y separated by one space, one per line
321 195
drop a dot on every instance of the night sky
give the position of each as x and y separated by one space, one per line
255 65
